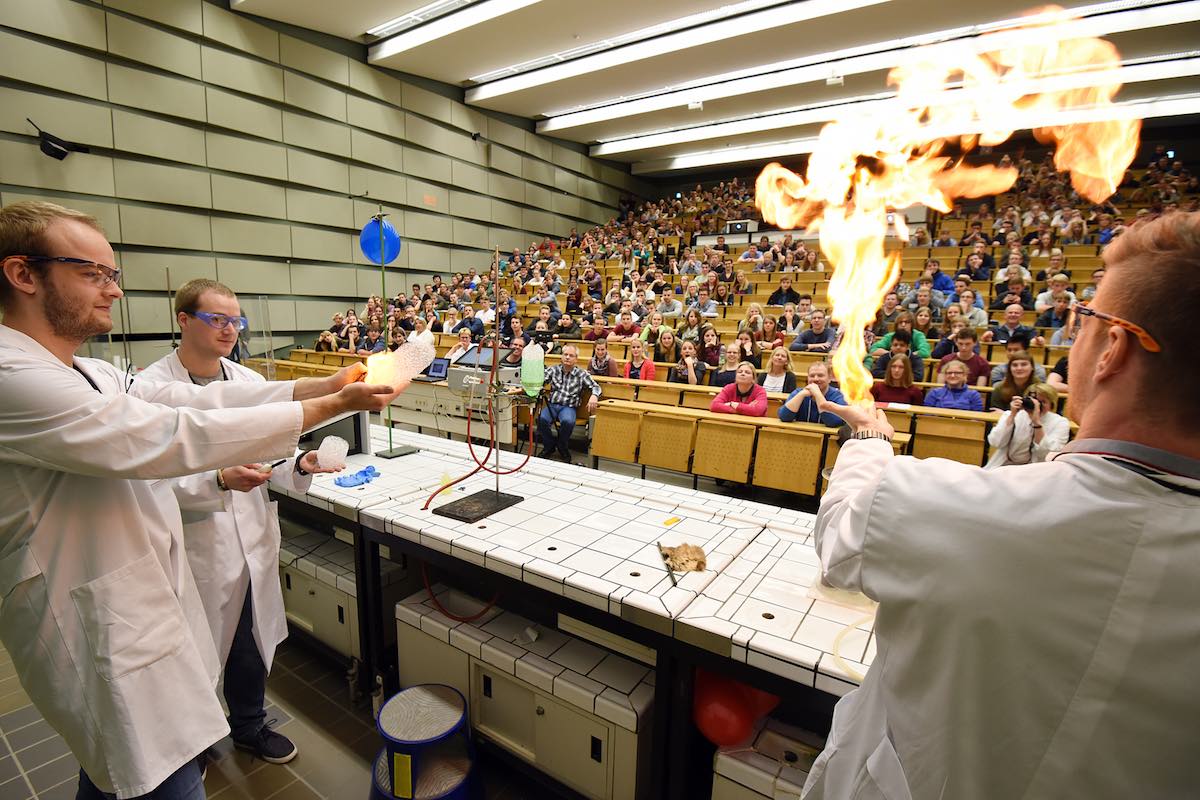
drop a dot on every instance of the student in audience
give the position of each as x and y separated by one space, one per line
727 370
967 353
888 313
948 343
779 376
326 342
975 316
352 340
784 294
638 367
470 323
1015 346
666 349
461 346
901 345
1089 292
743 396
817 339
770 336
567 328
752 320
923 319
374 343
1028 432
601 363
747 351
1058 376
625 330
790 322
450 319
542 334
669 306
812 261
1012 327
722 295
1017 380
515 328
597 331
711 351
742 284
1058 284
516 351
904 322
802 407
954 391
897 385
704 304
690 369
566 382
1058 315
654 328
691 327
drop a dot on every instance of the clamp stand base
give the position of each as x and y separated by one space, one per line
396 452
475 507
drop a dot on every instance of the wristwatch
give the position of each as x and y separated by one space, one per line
871 435
221 482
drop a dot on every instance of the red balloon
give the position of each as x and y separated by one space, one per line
721 710
760 702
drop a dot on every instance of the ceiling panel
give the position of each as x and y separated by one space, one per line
349 19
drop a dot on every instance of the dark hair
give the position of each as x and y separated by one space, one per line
967 333
901 335
1021 338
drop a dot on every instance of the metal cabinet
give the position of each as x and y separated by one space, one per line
326 613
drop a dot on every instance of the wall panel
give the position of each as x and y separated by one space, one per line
88 122
149 45
157 138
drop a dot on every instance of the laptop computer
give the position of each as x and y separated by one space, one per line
436 371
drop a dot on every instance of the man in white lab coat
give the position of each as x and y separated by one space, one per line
98 607
232 535
1037 634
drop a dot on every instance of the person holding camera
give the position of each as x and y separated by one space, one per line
1030 430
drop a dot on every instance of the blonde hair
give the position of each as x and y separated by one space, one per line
23 229
188 296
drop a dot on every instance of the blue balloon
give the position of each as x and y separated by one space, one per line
368 240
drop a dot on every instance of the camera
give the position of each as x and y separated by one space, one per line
1027 404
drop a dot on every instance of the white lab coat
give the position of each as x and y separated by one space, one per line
99 609
1011 438
1037 634
232 538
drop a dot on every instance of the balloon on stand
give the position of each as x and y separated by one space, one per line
369 241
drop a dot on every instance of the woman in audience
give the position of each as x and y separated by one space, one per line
752 321
742 284
923 322
690 369
790 322
654 328
691 327
742 396
975 316
574 297
421 332
450 319
666 349
1018 379
461 346
624 330
779 376
612 300
770 336
812 261
954 391
747 351
723 297
601 363
326 342
639 367
1029 430
711 350
897 386
727 371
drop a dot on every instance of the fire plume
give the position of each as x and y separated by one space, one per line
864 168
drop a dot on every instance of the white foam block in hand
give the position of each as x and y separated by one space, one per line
332 452
398 367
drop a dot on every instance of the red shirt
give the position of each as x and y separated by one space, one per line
976 367
897 394
755 405
646 373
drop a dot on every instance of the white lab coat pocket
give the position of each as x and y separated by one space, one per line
883 778
131 617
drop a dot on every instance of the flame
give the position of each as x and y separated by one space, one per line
865 167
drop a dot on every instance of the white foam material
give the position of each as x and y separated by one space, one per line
401 366
332 452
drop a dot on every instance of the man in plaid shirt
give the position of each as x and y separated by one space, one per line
566 387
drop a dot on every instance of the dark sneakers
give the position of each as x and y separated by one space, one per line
269 745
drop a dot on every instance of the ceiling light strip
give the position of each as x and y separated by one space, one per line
856 61
441 27
670 26
673 42
414 18
1141 109
1189 66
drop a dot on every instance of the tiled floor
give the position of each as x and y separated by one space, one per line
307 696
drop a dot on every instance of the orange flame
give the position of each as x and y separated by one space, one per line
864 168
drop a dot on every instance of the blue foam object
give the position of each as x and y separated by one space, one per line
364 475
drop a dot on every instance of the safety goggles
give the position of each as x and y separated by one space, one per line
220 321
97 274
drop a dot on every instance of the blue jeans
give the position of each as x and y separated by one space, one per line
245 678
565 415
183 784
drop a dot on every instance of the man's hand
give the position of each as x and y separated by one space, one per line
986 336
309 463
593 403
245 477
352 373
859 418
368 397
